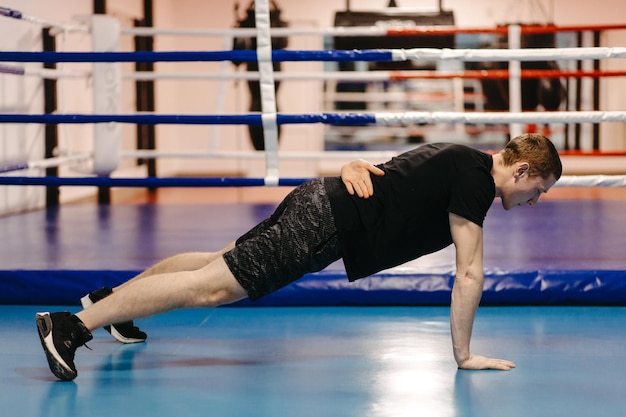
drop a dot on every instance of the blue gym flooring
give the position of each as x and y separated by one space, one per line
327 361
558 252
553 304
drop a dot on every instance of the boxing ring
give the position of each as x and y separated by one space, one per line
555 274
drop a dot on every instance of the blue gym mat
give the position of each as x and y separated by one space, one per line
558 252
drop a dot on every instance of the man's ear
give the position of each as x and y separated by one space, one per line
522 169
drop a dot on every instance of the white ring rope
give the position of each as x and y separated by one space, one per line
55 26
613 181
249 32
59 160
284 155
501 55
386 118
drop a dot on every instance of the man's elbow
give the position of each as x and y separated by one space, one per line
470 276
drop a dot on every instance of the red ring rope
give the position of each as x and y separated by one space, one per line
531 29
503 74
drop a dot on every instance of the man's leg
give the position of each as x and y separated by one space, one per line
127 332
62 333
189 261
209 286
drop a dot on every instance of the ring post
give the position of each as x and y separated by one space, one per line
515 83
586 94
107 78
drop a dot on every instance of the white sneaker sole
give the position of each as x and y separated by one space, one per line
57 365
86 302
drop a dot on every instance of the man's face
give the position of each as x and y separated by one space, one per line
525 189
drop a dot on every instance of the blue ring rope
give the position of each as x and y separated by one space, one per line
15 14
180 56
378 55
153 119
149 182
14 167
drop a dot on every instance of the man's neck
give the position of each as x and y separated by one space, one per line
498 172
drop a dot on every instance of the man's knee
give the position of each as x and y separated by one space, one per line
219 297
217 286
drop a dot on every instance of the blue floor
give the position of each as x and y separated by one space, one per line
327 361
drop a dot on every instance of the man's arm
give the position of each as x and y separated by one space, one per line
466 293
356 177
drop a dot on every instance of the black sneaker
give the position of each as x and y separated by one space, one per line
125 332
61 334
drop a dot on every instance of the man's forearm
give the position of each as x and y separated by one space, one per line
466 295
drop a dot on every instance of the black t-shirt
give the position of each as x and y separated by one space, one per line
408 215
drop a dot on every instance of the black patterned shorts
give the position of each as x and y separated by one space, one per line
298 238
